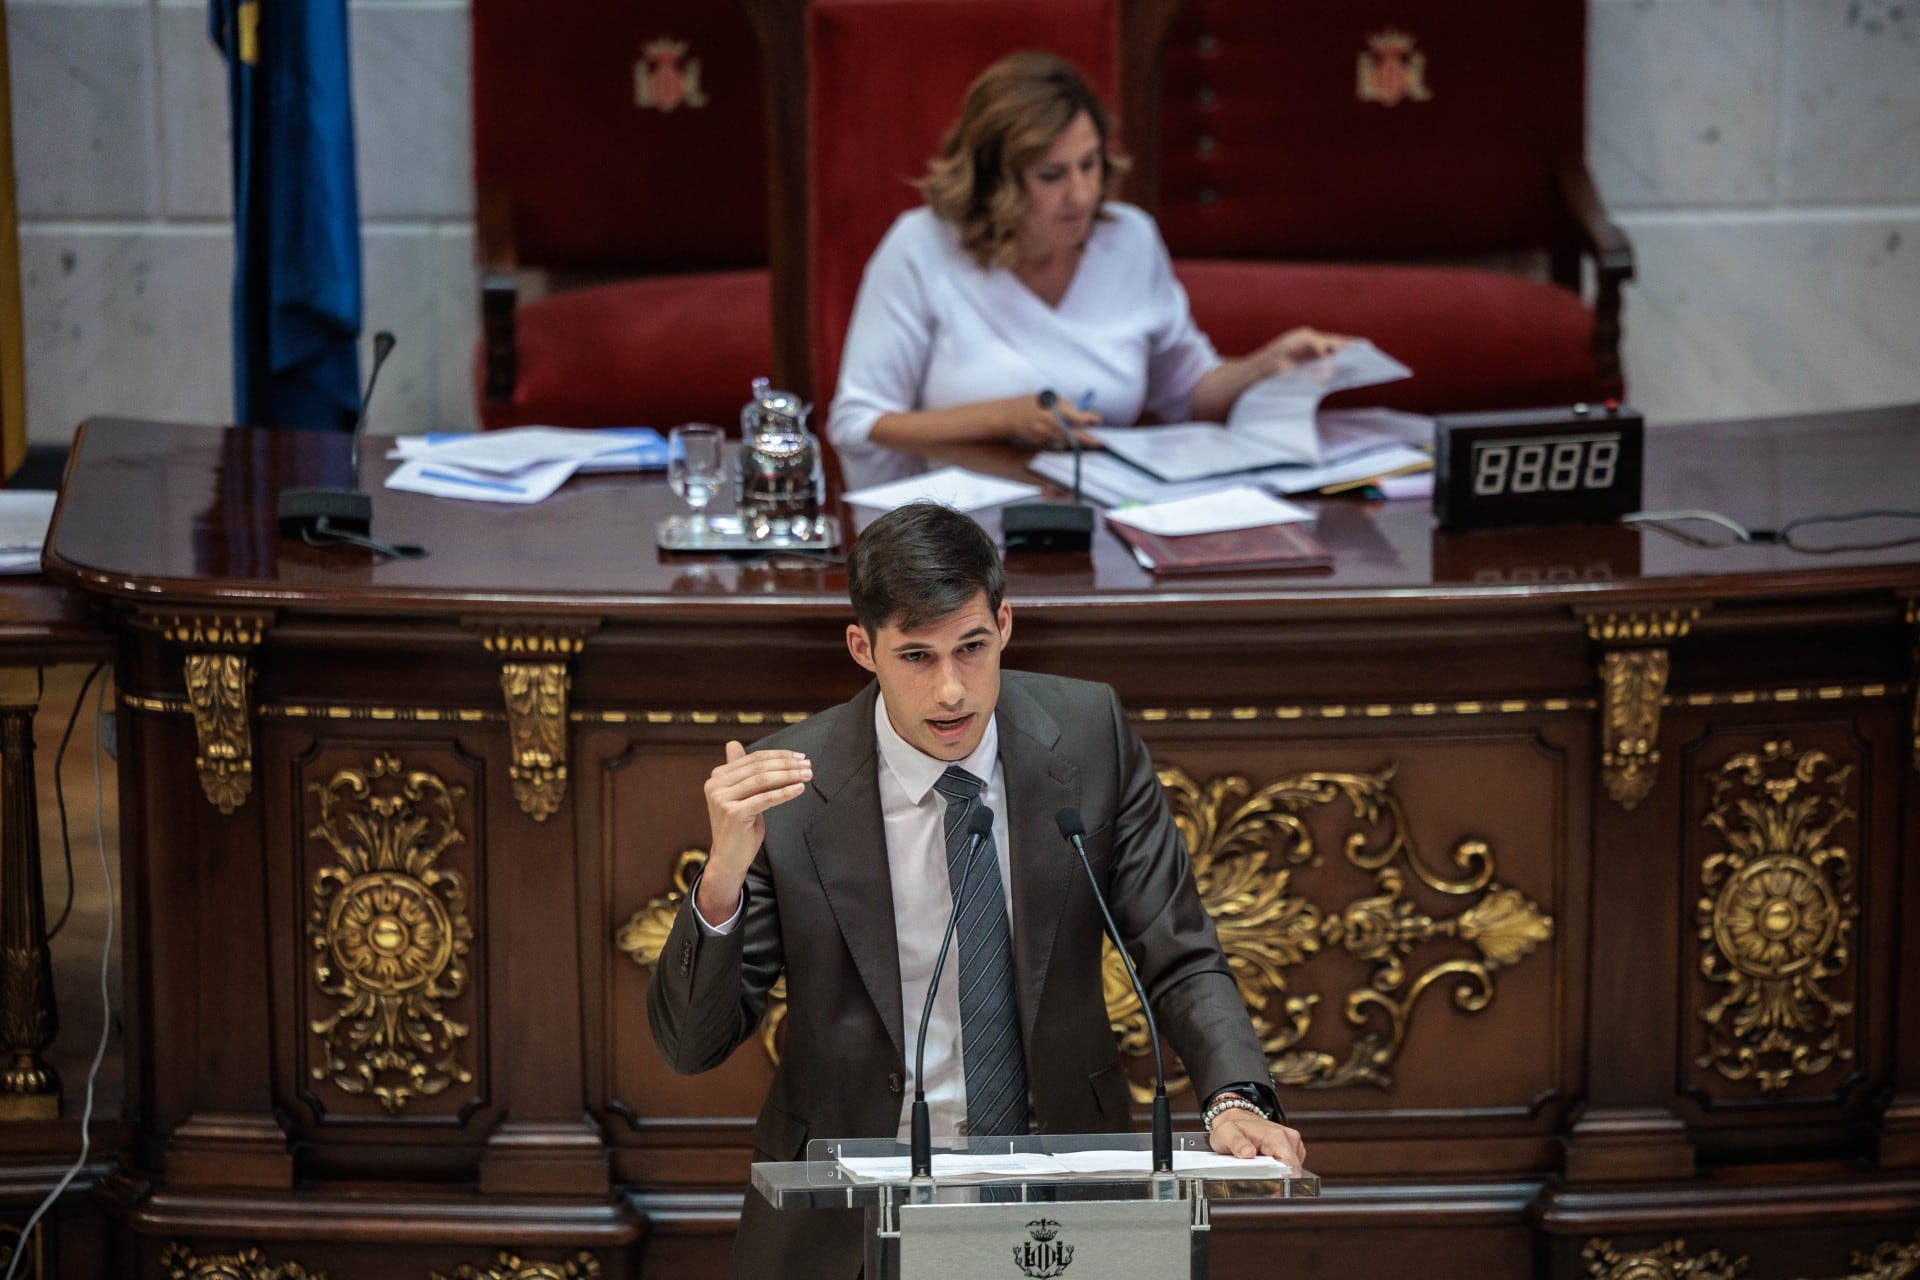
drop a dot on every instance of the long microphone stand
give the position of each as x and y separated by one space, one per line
1075 832
336 517
979 829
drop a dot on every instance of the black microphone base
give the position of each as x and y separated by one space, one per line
344 511
922 1145
1162 1134
1047 526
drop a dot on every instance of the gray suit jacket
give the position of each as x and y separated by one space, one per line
820 905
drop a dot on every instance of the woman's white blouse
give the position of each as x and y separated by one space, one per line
931 329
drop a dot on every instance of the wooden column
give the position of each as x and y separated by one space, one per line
29 1086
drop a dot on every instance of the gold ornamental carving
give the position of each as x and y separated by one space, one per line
218 688
1889 1261
1640 627
390 934
179 1263
1775 914
1669 1261
1632 683
535 682
509 1266
1245 843
537 725
644 936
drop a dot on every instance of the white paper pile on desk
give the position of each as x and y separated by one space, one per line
24 517
1279 411
1354 445
519 465
1032 1167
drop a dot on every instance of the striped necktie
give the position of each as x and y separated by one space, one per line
990 1047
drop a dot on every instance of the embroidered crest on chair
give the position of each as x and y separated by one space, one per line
1391 70
666 78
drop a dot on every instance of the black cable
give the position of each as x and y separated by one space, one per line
60 794
1785 536
325 535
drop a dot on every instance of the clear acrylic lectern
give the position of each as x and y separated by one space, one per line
1116 1224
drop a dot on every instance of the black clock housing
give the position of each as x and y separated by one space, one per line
1578 465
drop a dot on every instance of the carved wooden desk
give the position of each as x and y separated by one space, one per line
1563 869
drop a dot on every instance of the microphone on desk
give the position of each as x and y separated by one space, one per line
979 829
328 517
1051 526
1075 833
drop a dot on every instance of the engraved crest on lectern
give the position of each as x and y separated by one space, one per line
1043 1253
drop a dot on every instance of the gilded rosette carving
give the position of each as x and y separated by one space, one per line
218 689
1632 683
179 1263
644 935
1669 1261
1245 844
390 934
537 723
509 1266
1775 915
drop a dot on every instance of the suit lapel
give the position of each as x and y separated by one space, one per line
848 842
1039 785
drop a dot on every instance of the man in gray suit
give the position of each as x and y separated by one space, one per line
836 845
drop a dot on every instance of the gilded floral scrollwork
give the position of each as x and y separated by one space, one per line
509 1266
1775 913
644 935
1669 1261
179 1263
1245 844
218 689
390 934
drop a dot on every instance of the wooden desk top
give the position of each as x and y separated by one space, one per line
186 513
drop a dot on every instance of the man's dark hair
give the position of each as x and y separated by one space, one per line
919 563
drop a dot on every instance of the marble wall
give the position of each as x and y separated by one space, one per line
1764 156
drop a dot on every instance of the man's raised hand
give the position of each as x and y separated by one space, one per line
739 793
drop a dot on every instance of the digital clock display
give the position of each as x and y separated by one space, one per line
1551 464
1580 465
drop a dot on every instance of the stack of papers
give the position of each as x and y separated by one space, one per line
954 487
1240 507
24 517
521 464
1279 411
1031 1167
1354 444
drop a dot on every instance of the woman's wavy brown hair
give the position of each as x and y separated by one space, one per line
1013 114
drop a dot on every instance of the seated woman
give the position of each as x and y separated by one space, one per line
1020 276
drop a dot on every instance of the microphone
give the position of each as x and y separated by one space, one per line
1051 526
1075 833
328 517
979 829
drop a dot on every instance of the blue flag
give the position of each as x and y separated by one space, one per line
296 213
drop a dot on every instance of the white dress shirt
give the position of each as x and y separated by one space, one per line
912 814
931 329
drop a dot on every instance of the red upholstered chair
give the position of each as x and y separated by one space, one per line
885 79
620 147
1303 152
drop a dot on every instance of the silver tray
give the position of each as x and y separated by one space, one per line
728 533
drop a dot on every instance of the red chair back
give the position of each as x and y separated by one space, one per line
631 137
885 80
1400 128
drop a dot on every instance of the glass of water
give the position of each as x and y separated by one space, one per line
696 463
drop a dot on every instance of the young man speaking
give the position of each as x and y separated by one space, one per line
832 844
